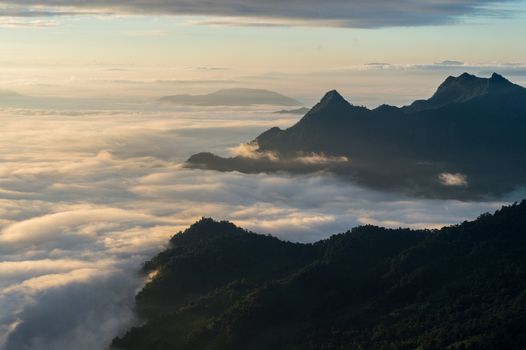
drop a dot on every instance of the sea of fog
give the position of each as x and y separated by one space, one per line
87 195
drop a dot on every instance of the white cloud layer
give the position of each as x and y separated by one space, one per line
87 196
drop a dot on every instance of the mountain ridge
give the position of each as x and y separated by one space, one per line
460 287
462 89
470 126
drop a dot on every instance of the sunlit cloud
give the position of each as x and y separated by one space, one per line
14 22
81 214
448 179
91 176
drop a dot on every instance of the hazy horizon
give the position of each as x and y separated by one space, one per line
393 54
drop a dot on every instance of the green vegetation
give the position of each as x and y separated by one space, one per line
220 287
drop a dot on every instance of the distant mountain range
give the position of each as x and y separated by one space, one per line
466 141
233 97
219 287
9 94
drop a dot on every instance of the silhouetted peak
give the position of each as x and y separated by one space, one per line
332 94
208 228
460 89
210 223
500 80
497 76
332 101
333 97
331 106
204 225
463 80
465 76
497 84
468 85
464 88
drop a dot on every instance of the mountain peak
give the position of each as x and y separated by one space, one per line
464 88
497 76
331 104
332 100
333 94
499 79
333 97
463 81
331 107
208 228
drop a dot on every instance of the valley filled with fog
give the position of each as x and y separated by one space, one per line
87 195
124 123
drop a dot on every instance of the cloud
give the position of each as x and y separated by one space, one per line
74 224
87 196
88 312
457 180
439 67
53 281
73 231
251 151
341 13
39 267
10 22
146 33
321 159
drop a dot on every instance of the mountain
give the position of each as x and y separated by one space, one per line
464 88
8 94
233 97
220 287
472 130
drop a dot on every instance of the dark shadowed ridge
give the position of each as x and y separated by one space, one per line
331 107
464 88
332 99
472 128
220 287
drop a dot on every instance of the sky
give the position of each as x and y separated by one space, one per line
91 175
49 45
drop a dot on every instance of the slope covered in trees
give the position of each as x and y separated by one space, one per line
220 287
